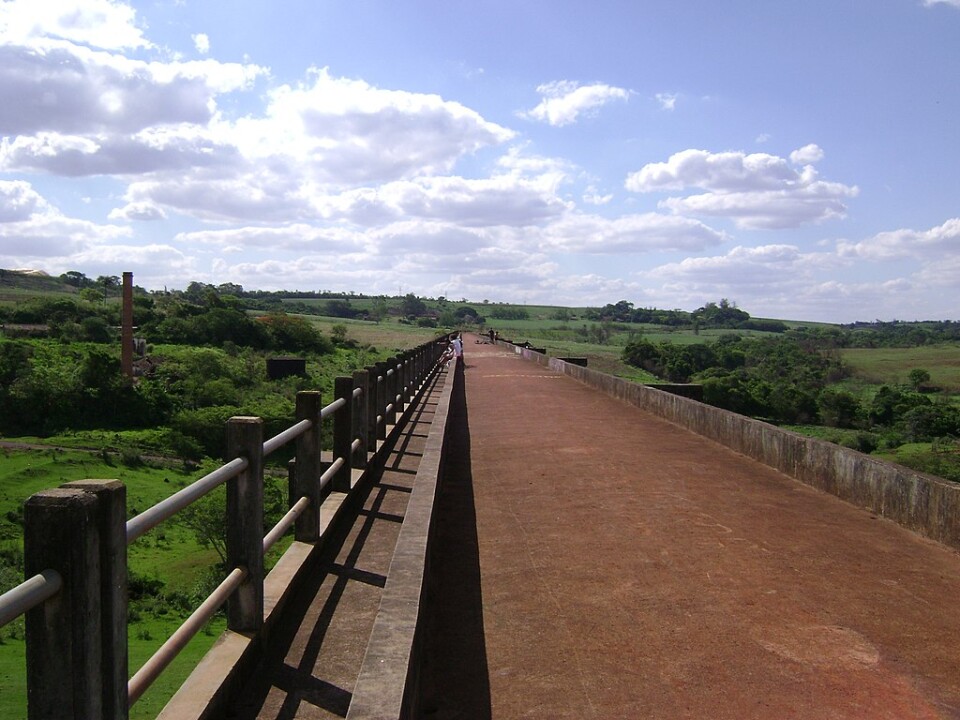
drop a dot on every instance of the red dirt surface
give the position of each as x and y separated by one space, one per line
597 561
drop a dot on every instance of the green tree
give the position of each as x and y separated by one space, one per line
295 334
918 378
839 408
412 306
378 311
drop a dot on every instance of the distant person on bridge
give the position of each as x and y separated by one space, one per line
458 346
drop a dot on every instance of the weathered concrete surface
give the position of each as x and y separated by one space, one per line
924 503
389 679
602 562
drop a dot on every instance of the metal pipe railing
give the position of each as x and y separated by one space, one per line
285 523
158 662
288 435
391 381
28 594
165 509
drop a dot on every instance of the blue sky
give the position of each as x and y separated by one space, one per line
797 158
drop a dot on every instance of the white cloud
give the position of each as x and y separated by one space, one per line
668 101
498 200
19 201
201 42
347 132
951 3
97 23
755 191
58 88
138 211
294 237
726 171
564 101
648 232
929 245
593 197
31 228
807 155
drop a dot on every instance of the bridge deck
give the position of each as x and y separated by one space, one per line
596 561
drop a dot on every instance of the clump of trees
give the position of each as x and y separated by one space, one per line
72 380
724 314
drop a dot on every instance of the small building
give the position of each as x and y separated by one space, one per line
281 367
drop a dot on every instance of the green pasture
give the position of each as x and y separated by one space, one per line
892 366
385 336
169 554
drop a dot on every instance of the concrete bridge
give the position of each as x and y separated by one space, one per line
537 540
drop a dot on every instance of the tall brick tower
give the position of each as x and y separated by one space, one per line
126 327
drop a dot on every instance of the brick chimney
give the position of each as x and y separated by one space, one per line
126 327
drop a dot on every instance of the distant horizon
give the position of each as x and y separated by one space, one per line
489 301
799 158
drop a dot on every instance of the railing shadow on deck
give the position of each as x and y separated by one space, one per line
455 680
299 683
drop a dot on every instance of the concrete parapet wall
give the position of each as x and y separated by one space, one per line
923 503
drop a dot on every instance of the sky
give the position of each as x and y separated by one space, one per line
798 158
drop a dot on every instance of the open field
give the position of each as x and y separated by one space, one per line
169 554
385 335
893 365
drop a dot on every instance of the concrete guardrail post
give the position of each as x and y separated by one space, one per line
390 417
371 398
112 521
343 434
245 523
64 651
305 478
381 400
361 423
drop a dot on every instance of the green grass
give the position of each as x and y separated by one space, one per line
169 553
144 640
893 365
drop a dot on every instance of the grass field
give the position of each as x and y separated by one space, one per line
893 365
169 554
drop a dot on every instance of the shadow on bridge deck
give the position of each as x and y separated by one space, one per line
310 664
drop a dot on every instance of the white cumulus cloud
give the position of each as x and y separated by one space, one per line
564 101
201 42
97 23
755 190
937 242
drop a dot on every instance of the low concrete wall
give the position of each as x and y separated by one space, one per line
389 682
923 503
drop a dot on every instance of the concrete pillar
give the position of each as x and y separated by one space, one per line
64 652
343 434
245 523
361 422
390 418
112 528
381 400
306 469
371 397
